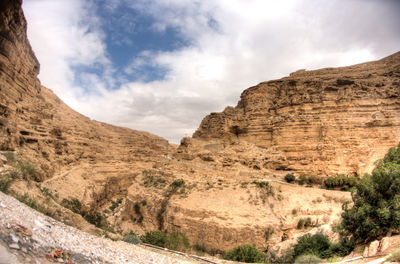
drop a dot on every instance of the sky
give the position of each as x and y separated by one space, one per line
163 65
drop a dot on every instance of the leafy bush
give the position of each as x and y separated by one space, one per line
317 244
177 183
177 241
245 253
341 181
304 222
393 155
309 180
5 182
74 205
290 177
27 169
156 238
307 259
131 237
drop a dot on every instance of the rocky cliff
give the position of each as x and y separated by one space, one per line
36 123
328 121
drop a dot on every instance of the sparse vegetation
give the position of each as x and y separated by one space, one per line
246 253
174 241
268 233
132 238
115 204
34 204
307 259
394 256
5 182
290 178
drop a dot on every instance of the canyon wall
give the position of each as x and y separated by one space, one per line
328 121
37 124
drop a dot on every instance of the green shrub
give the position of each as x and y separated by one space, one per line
393 155
115 204
304 222
300 224
27 169
261 184
74 205
156 238
307 259
95 218
245 253
131 237
309 180
177 241
177 183
290 177
317 244
376 202
341 181
302 179
5 182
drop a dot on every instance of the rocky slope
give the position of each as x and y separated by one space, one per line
36 122
328 121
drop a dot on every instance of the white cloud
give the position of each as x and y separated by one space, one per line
234 44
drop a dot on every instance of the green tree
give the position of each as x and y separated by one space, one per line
376 202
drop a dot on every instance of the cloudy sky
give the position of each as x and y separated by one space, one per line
162 65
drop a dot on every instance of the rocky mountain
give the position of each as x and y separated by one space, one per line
320 122
222 188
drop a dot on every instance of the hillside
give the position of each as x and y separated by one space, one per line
222 188
322 122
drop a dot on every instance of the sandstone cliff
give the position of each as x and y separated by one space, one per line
328 121
38 124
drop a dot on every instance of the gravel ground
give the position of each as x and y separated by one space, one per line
27 236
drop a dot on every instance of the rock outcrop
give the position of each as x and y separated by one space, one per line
328 121
35 122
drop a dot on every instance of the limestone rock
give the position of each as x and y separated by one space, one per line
328 121
384 245
373 248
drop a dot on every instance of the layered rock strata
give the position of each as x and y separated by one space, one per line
328 121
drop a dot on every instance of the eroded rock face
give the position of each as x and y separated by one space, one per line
328 121
40 126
